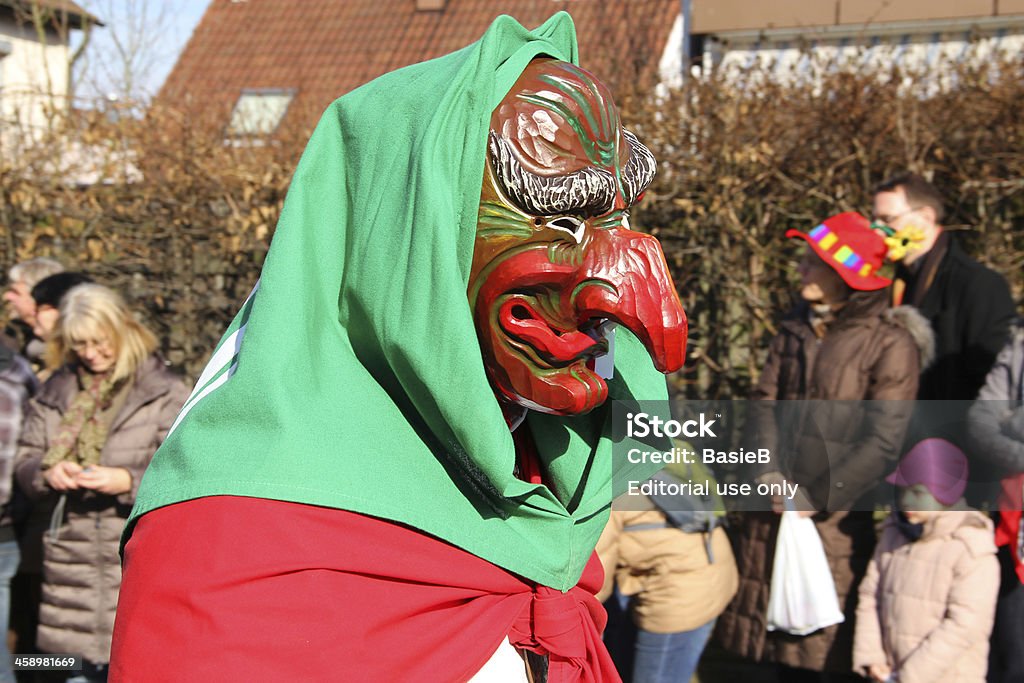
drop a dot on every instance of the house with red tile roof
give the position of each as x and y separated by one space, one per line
254 65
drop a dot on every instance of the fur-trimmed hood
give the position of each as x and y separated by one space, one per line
910 319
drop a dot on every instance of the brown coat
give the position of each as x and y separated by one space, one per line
926 607
81 566
858 380
867 354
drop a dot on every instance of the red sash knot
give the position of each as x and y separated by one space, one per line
567 628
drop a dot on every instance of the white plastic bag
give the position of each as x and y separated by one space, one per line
803 594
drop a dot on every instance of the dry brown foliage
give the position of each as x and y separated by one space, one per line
746 158
180 221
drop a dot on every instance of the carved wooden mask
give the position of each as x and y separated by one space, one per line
554 258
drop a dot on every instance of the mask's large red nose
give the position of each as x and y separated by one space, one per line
624 278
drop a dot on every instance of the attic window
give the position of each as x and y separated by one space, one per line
259 112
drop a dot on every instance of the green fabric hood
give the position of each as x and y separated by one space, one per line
352 377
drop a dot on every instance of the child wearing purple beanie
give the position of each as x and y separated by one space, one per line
927 603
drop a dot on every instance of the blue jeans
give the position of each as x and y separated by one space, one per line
669 657
9 559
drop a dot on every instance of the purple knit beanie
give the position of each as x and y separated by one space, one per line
937 464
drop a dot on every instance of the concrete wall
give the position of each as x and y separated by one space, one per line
712 16
916 46
877 11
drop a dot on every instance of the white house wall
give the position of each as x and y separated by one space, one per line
801 57
670 65
33 77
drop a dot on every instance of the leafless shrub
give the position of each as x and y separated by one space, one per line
168 211
746 156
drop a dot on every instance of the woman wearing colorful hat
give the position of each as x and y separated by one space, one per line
853 357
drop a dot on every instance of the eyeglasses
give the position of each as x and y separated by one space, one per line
883 221
83 345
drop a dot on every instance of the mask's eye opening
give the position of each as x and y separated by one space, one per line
569 224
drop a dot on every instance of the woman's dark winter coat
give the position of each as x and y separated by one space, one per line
838 446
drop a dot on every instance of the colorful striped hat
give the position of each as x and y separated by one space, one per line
848 244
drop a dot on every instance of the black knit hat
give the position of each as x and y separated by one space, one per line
50 290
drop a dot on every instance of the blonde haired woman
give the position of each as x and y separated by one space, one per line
88 437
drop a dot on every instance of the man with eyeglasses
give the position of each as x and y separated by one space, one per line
969 305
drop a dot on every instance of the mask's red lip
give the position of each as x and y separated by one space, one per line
558 347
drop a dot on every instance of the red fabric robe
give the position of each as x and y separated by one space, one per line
298 592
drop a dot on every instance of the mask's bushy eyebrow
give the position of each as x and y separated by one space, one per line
587 192
640 169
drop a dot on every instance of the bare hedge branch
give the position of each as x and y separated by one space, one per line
167 211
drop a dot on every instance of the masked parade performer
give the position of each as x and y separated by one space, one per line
399 458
